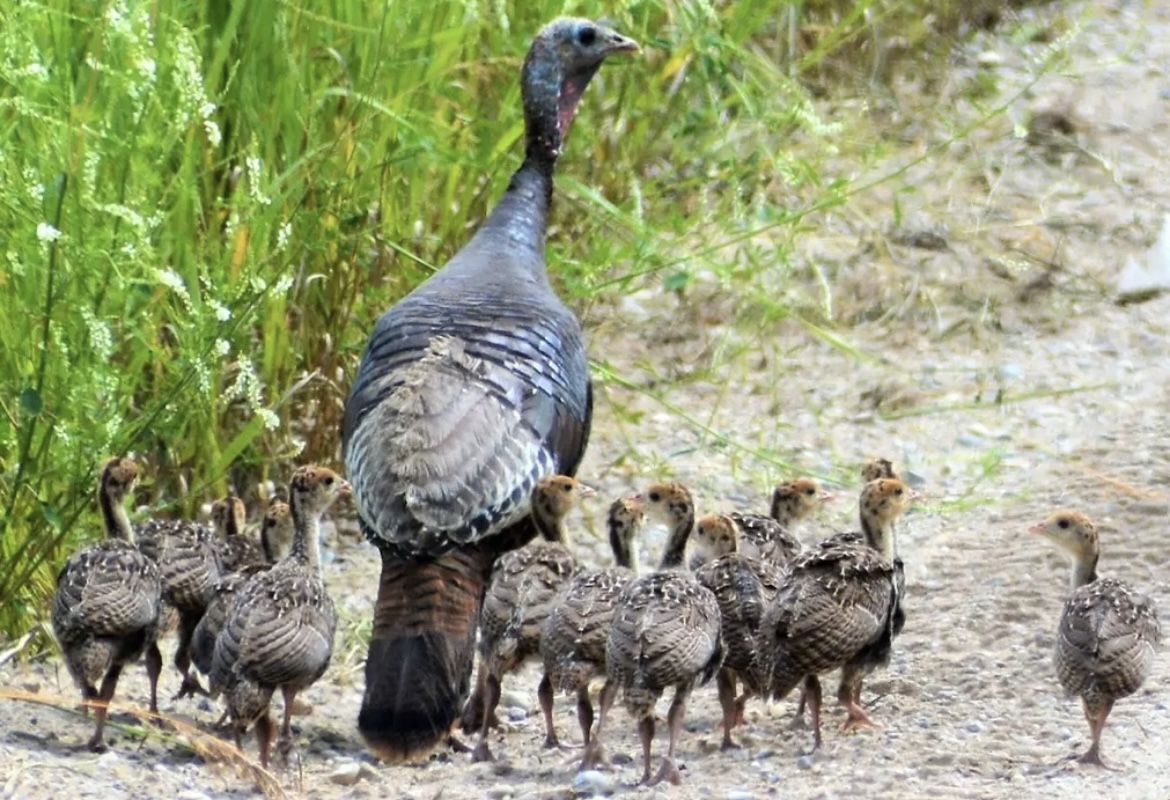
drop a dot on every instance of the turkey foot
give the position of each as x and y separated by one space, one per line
594 757
190 688
481 753
667 772
858 720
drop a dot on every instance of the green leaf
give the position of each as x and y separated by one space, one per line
52 516
30 401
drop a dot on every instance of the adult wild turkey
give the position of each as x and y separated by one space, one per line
473 387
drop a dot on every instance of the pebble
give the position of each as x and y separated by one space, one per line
969 440
517 714
517 699
191 794
107 759
348 773
592 783
739 794
974 726
500 791
804 762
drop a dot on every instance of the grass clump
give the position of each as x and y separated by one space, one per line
206 206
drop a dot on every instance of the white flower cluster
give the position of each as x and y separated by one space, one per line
192 93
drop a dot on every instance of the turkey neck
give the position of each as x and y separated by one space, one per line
114 516
882 535
676 546
306 543
1084 569
550 103
549 526
621 540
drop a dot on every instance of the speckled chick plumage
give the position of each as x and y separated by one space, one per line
105 611
666 628
1108 633
276 534
279 633
237 549
744 587
837 606
572 639
524 587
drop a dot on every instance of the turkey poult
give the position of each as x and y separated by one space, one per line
188 557
471 388
525 583
279 633
236 549
105 611
1108 633
572 641
840 606
743 586
771 538
276 534
665 633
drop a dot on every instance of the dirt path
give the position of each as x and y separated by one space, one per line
970 703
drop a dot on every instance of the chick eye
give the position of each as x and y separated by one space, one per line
587 36
1063 524
329 480
898 490
655 497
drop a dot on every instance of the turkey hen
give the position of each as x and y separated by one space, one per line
471 388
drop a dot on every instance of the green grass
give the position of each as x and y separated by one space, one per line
205 206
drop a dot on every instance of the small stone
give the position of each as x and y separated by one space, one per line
1010 372
989 58
592 783
348 773
974 726
739 794
500 791
765 752
191 794
804 762
107 759
517 714
515 699
969 440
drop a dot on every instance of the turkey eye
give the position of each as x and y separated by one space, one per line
1063 524
655 497
587 36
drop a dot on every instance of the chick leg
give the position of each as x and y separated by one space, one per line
669 770
1096 714
491 698
595 753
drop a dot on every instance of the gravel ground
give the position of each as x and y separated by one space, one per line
970 703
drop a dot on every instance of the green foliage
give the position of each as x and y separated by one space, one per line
205 205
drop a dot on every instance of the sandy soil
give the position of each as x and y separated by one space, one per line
1018 305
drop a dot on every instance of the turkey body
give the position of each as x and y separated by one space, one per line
472 388
106 608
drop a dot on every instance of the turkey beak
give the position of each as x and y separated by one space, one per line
621 44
